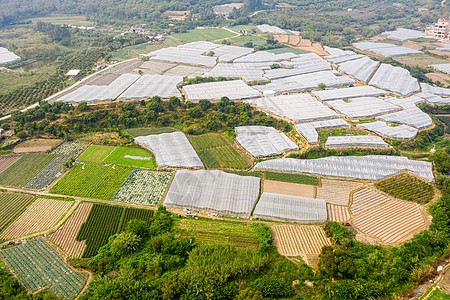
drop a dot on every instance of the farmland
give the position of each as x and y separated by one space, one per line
365 199
407 187
391 222
65 237
215 231
287 188
25 169
47 175
93 180
41 215
7 161
36 145
133 157
96 153
143 186
292 178
209 34
12 204
216 151
135 213
37 266
135 132
337 191
70 148
102 222
337 213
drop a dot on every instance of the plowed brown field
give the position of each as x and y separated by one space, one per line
287 188
337 213
337 191
365 199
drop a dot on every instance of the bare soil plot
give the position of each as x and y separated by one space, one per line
7 160
182 70
412 45
392 222
65 237
366 198
438 76
287 188
422 60
337 191
42 214
104 79
337 213
294 39
282 38
155 67
36 145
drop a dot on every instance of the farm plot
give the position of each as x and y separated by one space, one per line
337 213
41 215
293 178
300 240
71 148
36 145
216 151
141 131
96 153
407 187
130 213
365 199
24 169
287 188
102 222
392 222
65 237
49 173
133 157
37 266
93 180
143 186
218 231
7 161
337 191
11 205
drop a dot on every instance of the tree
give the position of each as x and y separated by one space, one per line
205 104
125 244
322 86
441 160
21 134
249 294
137 227
195 112
83 106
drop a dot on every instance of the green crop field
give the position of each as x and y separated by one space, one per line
245 173
102 222
11 205
135 132
216 151
407 187
92 180
209 34
130 213
117 156
293 178
23 170
218 231
286 50
96 153
65 20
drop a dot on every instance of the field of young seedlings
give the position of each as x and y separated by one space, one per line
71 148
293 178
143 186
93 180
133 157
38 266
7 161
407 187
49 173
24 169
96 153
11 205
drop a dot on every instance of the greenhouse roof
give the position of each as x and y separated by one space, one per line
355 141
402 132
402 34
296 107
370 167
204 46
309 130
264 56
245 71
343 57
215 191
7 56
413 116
433 99
227 53
234 90
171 150
435 90
347 93
410 102
364 107
445 47
183 54
305 63
395 79
262 141
386 49
361 68
147 86
270 29
444 68
290 208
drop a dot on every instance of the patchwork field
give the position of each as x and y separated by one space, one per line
65 237
37 266
392 222
93 180
218 231
293 178
24 169
216 151
49 173
11 205
365 199
143 186
337 191
7 161
36 145
337 213
133 157
71 148
407 187
287 188
96 153
41 215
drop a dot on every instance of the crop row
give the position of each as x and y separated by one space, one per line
11 205
293 178
208 141
208 159
229 158
7 161
407 187
47 175
130 213
70 148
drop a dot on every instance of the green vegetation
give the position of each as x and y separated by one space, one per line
141 131
317 152
245 173
93 180
12 204
293 178
207 141
117 156
407 187
435 294
23 170
130 213
96 153
209 34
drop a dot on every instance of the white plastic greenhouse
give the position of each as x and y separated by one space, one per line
361 68
153 85
410 102
271 29
395 79
364 107
309 130
262 141
413 116
402 34
402 132
444 68
288 208
7 56
386 49
171 150
433 99
234 90
370 167
355 141
264 56
214 191
338 56
227 53
245 71
435 90
347 93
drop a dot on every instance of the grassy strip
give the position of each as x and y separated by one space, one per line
293 178
135 132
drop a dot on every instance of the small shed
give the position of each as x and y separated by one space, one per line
72 73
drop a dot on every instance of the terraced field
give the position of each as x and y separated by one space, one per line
392 222
365 199
65 237
337 191
11 205
93 180
407 187
140 131
41 215
337 213
71 148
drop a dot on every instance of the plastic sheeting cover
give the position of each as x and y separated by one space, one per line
264 56
347 93
413 116
444 68
395 79
234 90
370 167
7 56
386 49
402 34
402 132
361 68
153 85
291 208
215 191
309 130
261 141
245 71
364 107
355 141
435 90
171 150
271 29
